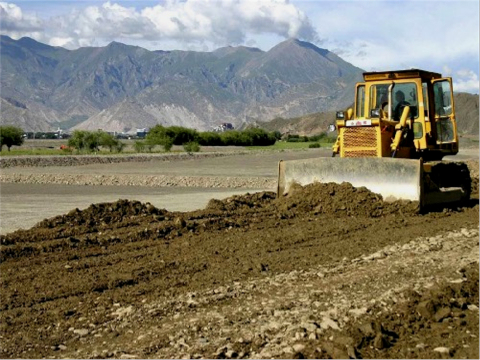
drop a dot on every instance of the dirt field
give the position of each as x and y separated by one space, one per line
329 271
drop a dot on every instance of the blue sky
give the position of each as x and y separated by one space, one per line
441 36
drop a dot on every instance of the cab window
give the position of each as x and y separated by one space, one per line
378 96
442 98
405 94
360 102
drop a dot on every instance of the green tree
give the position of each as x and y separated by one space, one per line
181 135
210 138
108 140
159 135
10 136
83 140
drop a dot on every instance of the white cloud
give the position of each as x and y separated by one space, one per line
14 22
466 81
218 22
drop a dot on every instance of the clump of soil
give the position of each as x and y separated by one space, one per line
341 199
102 214
247 201
474 174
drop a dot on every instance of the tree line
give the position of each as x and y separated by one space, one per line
192 139
166 137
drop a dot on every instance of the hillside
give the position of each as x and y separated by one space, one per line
467 111
195 89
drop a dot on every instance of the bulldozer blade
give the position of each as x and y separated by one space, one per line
394 179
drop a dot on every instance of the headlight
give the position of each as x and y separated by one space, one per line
340 115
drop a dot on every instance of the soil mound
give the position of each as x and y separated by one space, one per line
341 199
318 198
103 214
238 202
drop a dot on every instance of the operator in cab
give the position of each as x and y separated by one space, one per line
401 103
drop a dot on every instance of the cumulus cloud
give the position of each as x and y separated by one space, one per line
14 22
228 21
217 22
466 81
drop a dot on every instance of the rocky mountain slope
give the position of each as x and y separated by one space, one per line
195 89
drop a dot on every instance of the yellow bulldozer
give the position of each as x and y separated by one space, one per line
401 125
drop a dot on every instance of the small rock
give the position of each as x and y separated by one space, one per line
231 354
351 352
358 312
329 323
443 313
310 327
472 307
298 347
128 356
81 332
367 329
380 342
457 281
442 350
426 309
179 222
62 347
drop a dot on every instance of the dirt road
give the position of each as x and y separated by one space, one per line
329 271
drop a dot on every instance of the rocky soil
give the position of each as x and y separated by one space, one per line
328 271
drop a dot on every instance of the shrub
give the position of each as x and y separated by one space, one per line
10 136
314 145
120 147
210 138
181 135
139 146
191 147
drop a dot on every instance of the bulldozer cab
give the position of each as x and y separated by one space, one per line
371 127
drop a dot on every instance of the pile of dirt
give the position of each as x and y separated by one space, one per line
342 199
103 214
440 322
238 202
317 198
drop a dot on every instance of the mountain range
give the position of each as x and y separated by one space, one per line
120 87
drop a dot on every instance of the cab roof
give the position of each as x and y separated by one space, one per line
400 74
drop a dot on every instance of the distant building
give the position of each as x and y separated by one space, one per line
141 133
223 127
